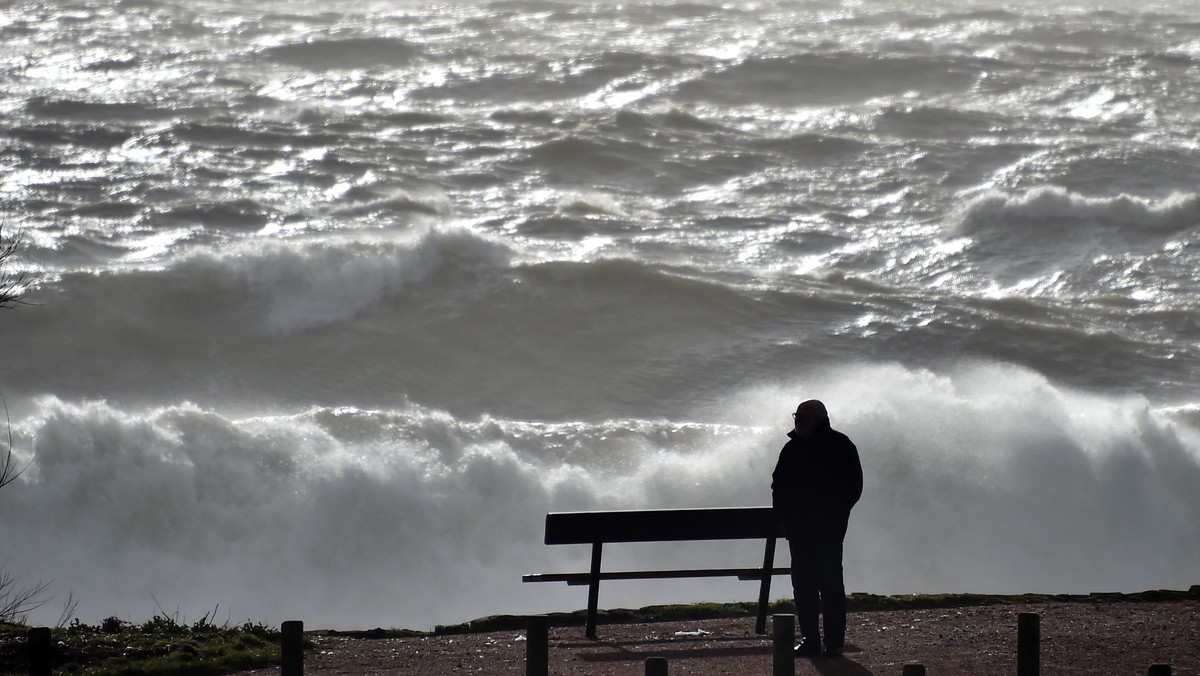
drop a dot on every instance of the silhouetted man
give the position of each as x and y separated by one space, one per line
815 484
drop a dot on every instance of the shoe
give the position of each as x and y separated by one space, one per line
807 649
832 653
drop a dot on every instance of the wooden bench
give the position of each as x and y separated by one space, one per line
664 525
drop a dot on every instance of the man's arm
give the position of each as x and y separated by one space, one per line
854 474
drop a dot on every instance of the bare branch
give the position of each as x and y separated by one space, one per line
68 611
17 603
8 471
12 285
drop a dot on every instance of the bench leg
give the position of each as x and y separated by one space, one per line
764 589
594 589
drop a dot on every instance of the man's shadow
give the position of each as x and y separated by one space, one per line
842 666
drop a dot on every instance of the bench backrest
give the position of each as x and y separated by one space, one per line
659 525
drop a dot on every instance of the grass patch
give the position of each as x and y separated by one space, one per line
158 647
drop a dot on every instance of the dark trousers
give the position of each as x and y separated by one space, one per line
817 584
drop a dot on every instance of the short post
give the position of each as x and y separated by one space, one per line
783 628
656 666
913 669
1160 670
291 648
537 645
1029 637
41 652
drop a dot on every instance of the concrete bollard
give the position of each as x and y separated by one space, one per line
913 669
41 652
537 645
1029 638
1160 670
291 648
783 629
656 666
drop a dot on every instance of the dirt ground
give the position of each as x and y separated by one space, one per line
1095 638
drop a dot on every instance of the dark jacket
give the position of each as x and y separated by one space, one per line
815 484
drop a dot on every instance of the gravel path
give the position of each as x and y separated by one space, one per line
1094 638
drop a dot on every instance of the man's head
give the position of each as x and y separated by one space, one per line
810 416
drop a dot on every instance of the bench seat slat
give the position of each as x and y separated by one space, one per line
661 525
585 578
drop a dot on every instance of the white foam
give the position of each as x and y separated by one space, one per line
1052 204
982 478
991 478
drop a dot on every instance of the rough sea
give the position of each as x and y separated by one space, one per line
332 301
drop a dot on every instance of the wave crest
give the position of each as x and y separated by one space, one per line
312 282
1050 204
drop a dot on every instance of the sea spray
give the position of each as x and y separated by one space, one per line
983 478
993 478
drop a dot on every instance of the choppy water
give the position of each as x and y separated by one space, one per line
335 300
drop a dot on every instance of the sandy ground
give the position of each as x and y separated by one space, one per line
1096 638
